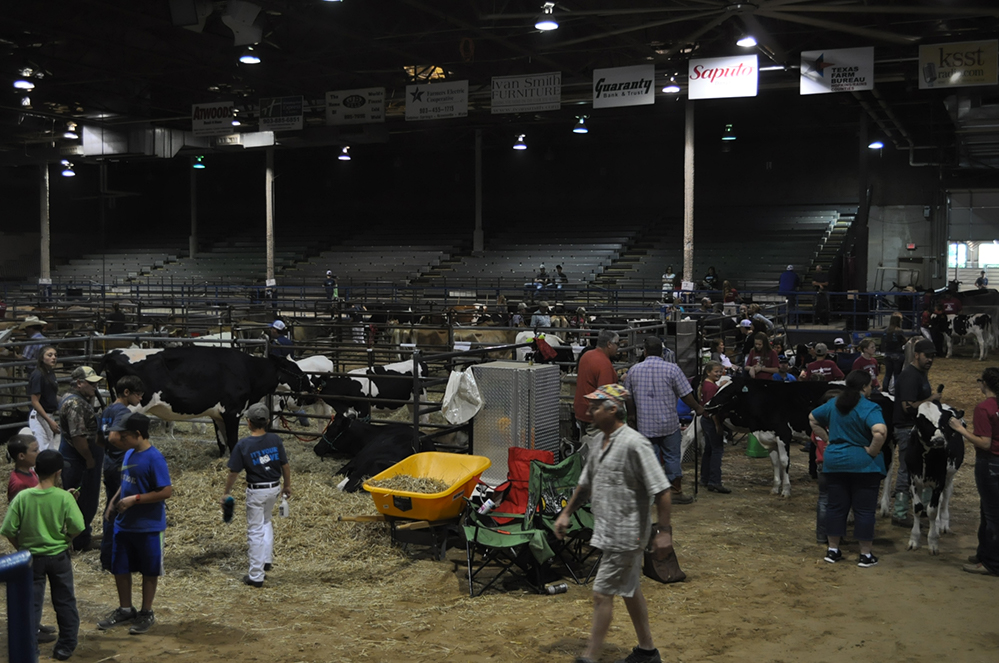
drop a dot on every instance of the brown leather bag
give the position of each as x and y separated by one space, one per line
663 567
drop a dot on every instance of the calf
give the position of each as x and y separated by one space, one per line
933 457
977 326
374 447
391 382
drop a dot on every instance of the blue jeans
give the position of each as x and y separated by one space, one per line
711 462
58 570
76 475
668 452
902 436
112 482
856 490
987 481
821 507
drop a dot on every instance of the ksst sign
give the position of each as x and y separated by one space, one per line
961 64
211 119
722 78
624 86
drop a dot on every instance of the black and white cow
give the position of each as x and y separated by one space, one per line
191 382
933 457
392 382
977 326
374 447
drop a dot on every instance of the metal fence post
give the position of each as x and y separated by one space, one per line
15 570
416 401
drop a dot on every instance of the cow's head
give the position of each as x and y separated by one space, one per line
328 443
933 425
292 378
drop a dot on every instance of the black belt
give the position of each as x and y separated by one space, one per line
261 486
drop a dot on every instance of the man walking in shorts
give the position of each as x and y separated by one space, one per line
141 521
621 479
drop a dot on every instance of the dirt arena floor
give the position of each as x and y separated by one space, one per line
757 588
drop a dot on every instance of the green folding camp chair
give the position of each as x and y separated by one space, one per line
511 546
548 491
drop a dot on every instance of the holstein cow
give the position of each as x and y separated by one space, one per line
392 381
191 382
564 353
978 326
933 462
374 447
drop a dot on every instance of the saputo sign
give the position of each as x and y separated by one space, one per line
722 78
624 86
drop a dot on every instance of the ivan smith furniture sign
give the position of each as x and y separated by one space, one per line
840 70
722 78
624 86
527 94
212 119
355 106
961 64
438 101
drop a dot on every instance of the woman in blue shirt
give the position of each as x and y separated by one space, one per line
854 431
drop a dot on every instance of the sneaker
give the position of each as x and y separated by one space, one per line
680 498
719 488
115 617
253 583
142 622
867 561
638 655
61 653
973 559
978 569
833 556
268 566
43 637
52 629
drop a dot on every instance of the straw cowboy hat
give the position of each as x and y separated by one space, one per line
32 321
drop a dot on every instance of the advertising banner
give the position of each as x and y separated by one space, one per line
837 70
212 119
527 94
281 113
723 78
961 64
355 106
624 86
438 101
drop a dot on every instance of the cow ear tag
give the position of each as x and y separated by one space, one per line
745 389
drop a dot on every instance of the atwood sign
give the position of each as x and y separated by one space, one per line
722 78
624 86
212 119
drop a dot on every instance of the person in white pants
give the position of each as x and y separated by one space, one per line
43 389
262 456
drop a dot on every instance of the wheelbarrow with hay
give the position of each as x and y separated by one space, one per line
415 515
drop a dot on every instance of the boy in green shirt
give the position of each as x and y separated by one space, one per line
43 521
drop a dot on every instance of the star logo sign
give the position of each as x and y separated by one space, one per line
417 94
819 65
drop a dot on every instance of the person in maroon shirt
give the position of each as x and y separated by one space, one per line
867 362
762 360
822 368
595 370
714 447
23 449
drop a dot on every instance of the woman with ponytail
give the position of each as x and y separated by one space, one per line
854 430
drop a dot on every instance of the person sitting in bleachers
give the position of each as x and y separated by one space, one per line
729 294
518 319
711 281
542 318
669 278
761 323
559 278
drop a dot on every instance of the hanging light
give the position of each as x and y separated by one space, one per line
729 133
520 144
249 56
70 132
580 127
67 169
23 84
199 163
344 153
747 41
26 101
546 20
876 144
671 87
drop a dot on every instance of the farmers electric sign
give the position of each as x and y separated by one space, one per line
721 78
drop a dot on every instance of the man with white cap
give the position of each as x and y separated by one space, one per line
280 343
33 327
330 286
83 458
621 481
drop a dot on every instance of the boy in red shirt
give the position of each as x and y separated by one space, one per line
23 449
867 362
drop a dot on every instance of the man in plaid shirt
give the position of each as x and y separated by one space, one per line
655 386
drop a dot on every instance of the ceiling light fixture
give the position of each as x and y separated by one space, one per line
70 132
249 56
729 133
344 153
581 127
747 41
26 101
199 163
67 169
546 20
23 84
671 87
520 144
876 144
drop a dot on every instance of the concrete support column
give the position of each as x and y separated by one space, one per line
45 245
193 239
269 202
688 193
477 238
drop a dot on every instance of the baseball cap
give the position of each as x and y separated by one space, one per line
279 325
258 413
839 341
926 347
821 349
790 268
746 323
329 272
782 359
612 392
85 373
135 422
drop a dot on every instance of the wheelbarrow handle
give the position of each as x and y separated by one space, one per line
416 524
361 519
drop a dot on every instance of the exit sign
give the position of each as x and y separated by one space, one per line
911 246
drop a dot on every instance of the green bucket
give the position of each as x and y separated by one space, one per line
754 449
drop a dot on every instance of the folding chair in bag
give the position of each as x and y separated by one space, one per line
549 489
506 538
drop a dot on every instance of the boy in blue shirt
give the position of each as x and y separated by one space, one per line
782 375
140 523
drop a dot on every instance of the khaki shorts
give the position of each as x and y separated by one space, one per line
619 573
